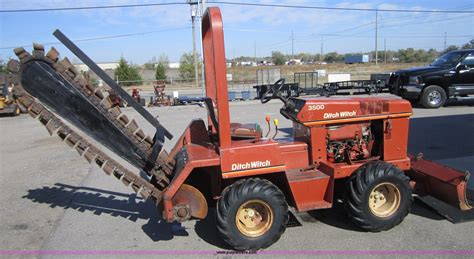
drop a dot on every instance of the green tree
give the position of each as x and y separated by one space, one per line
149 66
278 58
431 55
186 66
469 45
333 57
161 67
3 66
450 48
407 55
127 74
160 73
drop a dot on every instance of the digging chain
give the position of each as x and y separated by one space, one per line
161 173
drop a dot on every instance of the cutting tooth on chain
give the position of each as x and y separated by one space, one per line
108 168
38 51
13 65
35 109
132 126
91 154
53 54
62 65
106 103
22 54
72 139
81 148
53 126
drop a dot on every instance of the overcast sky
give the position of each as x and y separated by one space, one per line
168 28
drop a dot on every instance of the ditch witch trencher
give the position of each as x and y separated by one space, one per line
356 147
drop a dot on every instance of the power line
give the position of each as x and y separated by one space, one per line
89 7
236 3
340 8
411 16
356 27
392 24
396 37
103 38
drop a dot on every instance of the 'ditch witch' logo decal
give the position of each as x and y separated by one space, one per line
249 165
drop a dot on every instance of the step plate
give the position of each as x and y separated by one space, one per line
310 189
449 212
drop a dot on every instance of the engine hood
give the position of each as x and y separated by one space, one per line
414 71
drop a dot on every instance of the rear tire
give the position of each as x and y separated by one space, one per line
378 196
433 97
252 214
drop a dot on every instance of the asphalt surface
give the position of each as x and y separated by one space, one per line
54 200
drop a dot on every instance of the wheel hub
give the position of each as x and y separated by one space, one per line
254 218
434 97
384 199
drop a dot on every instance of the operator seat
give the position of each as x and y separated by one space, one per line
245 131
237 130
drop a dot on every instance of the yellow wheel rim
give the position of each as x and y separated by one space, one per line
384 200
254 218
17 111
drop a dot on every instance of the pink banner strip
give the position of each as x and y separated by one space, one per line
210 252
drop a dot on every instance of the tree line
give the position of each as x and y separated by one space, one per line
129 74
407 55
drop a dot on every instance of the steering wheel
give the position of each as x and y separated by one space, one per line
273 91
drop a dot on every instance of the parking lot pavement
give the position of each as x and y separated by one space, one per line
54 200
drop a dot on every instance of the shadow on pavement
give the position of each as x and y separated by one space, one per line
337 216
116 204
438 138
207 230
442 137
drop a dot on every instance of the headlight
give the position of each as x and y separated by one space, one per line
414 80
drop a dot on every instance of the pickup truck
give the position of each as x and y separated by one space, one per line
449 76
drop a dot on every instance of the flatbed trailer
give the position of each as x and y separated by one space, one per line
369 86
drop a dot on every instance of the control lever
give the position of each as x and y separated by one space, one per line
267 118
275 121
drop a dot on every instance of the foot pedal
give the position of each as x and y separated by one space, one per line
451 213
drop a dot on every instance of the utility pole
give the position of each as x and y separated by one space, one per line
321 54
193 17
385 50
292 47
255 51
376 28
445 40
201 8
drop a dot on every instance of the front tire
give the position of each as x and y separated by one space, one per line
378 196
252 214
433 97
